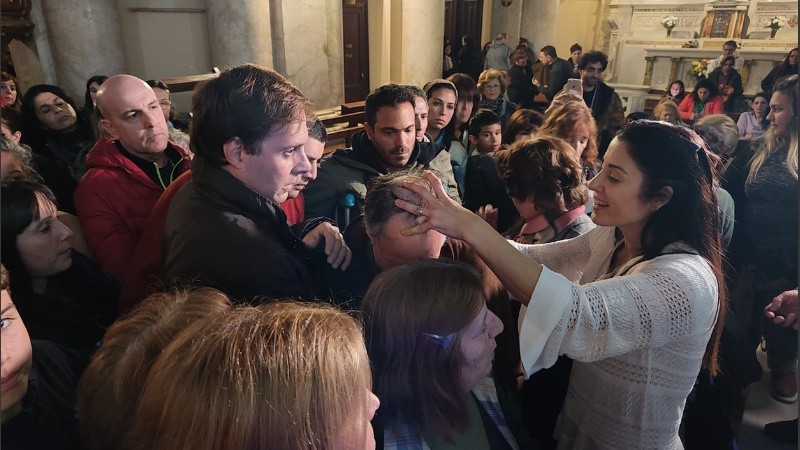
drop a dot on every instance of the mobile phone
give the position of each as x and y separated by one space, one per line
575 87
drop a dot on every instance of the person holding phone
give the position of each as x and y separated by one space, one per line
601 98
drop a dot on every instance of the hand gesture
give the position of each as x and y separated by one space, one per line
336 250
783 309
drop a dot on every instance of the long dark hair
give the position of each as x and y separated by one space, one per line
88 104
704 83
32 132
676 157
20 206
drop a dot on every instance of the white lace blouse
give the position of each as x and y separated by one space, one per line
637 339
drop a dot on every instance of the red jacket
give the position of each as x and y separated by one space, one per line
713 106
114 199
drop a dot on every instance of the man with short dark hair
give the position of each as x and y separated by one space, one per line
601 98
728 49
224 228
387 144
558 72
575 56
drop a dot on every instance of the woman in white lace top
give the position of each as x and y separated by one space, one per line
637 302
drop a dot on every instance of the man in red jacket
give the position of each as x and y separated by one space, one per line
126 172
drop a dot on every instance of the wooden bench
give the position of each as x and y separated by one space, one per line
188 83
344 125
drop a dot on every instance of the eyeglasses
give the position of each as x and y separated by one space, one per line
492 86
165 103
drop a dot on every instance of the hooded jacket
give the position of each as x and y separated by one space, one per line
349 170
114 200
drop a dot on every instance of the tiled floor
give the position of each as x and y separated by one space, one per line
761 409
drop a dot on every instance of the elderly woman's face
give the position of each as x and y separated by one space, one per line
478 345
492 89
53 112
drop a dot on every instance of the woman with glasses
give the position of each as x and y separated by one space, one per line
492 84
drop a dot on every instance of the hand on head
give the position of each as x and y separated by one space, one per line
436 211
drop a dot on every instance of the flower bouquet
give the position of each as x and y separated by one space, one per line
669 23
699 69
775 23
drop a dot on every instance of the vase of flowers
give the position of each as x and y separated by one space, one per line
669 23
699 69
774 24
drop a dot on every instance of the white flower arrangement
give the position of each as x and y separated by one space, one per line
669 22
775 22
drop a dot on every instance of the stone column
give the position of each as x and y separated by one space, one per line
86 39
240 31
421 46
674 63
307 46
538 22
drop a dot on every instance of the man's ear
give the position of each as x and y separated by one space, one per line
473 139
109 128
370 131
234 153
662 198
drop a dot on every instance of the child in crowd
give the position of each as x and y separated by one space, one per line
482 185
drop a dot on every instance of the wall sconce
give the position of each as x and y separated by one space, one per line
506 3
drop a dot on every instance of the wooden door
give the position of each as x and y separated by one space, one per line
463 17
355 51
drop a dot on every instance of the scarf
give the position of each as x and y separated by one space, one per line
496 105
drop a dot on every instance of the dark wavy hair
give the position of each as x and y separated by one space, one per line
546 168
707 84
88 104
677 157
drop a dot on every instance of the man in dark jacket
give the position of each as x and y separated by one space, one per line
558 72
605 104
387 144
224 228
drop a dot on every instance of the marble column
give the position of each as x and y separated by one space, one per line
648 71
307 46
240 31
86 39
421 45
538 22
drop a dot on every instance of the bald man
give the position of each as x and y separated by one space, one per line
127 172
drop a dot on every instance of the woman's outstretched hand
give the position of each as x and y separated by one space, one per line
436 211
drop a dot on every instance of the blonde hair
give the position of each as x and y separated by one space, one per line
769 141
667 104
282 375
561 118
108 392
489 75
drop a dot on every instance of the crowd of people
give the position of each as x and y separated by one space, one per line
473 272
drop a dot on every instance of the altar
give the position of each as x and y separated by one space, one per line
645 56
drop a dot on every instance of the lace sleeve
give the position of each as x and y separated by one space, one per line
667 298
567 257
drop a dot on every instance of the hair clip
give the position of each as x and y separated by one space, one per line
444 341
